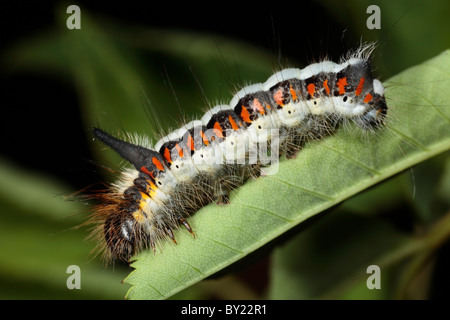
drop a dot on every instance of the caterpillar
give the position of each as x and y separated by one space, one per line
206 159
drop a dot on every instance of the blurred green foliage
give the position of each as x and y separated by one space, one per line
117 69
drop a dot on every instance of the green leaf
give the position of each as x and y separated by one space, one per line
324 174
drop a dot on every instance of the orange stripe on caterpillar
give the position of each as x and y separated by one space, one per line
204 138
360 87
342 82
145 170
311 89
258 106
367 98
278 97
139 216
167 155
158 164
293 93
151 189
218 129
245 115
190 143
180 150
233 123
325 85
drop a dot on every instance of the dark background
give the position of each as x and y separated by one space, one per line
31 101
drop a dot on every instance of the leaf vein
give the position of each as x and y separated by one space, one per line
409 139
224 245
354 160
314 193
267 211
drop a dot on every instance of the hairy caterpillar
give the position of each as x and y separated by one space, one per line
205 159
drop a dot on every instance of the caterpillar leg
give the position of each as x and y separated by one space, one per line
252 171
222 197
225 183
169 232
292 154
186 225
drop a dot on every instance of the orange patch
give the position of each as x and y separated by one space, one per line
180 150
205 139
190 143
152 189
311 89
218 129
145 170
245 115
167 155
293 93
342 82
158 164
144 200
325 85
233 123
367 98
360 86
258 106
278 97
138 216
144 196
